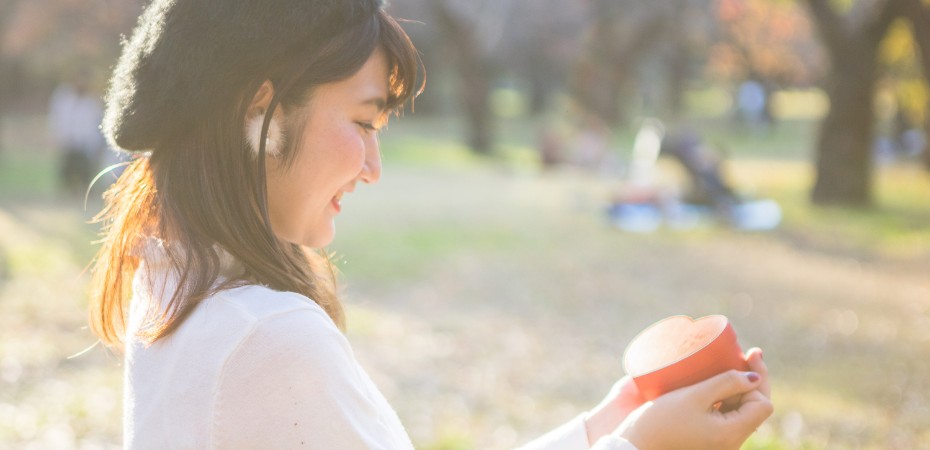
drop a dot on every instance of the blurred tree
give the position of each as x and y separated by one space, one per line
659 47
6 65
465 38
693 30
764 43
903 98
844 145
44 41
918 14
620 35
764 39
592 48
475 68
541 47
477 44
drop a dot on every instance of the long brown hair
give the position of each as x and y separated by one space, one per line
201 189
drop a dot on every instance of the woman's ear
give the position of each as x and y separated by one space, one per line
255 117
261 99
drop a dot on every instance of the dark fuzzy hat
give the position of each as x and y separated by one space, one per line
185 57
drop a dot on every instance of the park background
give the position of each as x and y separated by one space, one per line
491 297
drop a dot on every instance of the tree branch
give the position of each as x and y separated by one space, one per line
832 27
875 20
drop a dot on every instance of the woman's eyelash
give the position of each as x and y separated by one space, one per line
368 126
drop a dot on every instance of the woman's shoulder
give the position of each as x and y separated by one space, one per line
240 314
259 303
253 316
281 328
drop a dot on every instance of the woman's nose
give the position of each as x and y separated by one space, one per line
371 171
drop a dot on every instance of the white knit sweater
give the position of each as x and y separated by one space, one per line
255 368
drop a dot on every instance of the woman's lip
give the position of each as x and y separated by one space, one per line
335 203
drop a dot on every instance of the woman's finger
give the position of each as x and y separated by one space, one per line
728 384
753 410
628 394
757 365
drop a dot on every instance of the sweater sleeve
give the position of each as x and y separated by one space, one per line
293 382
573 436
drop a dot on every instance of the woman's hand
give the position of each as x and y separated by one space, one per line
624 397
688 418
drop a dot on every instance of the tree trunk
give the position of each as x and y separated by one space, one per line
677 79
4 82
540 87
474 71
844 145
678 64
610 54
476 95
3 105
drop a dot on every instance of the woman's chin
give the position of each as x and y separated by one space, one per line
320 239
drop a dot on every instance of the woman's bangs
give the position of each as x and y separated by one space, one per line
406 66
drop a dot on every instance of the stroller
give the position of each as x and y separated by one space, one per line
710 195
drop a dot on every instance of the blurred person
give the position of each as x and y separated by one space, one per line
704 167
752 104
591 143
711 188
74 116
251 120
550 146
907 137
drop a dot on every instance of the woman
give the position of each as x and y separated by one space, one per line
252 120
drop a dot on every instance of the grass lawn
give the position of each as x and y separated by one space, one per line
491 302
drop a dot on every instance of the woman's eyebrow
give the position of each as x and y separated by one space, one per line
379 102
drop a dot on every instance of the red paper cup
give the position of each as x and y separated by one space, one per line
679 351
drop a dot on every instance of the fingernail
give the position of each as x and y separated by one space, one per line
752 376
